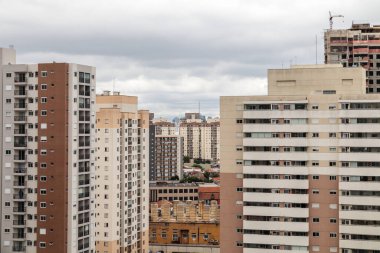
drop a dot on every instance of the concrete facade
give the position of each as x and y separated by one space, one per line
299 167
47 146
121 175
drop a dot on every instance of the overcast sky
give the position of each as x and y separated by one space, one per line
172 54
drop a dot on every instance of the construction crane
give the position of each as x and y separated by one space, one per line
332 17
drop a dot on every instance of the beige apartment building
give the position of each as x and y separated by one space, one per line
201 138
122 192
300 167
356 46
47 156
166 151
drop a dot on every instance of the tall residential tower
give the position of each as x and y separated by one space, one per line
300 168
47 156
122 193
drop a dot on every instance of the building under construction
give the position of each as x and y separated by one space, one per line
356 46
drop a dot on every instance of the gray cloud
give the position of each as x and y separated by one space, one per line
174 53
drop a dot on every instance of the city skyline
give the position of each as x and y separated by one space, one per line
179 55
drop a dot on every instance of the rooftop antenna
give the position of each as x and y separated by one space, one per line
113 85
316 49
332 17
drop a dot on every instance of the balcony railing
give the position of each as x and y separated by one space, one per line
19 157
19 209
19 235
85 207
20 92
19 170
20 131
19 222
18 248
20 105
20 118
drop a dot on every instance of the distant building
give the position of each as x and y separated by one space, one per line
201 138
171 191
358 46
166 151
209 192
121 175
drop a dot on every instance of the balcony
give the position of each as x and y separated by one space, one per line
84 207
20 92
19 222
18 248
84 220
20 118
20 78
19 235
19 170
19 183
19 209
20 144
19 158
20 131
84 181
20 105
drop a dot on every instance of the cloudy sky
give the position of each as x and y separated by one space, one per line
176 53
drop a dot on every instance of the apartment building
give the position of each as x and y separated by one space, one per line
173 191
47 161
166 151
201 138
300 167
356 46
122 193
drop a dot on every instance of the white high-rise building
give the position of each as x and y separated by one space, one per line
122 193
47 156
300 167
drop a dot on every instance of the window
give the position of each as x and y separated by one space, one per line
44 73
332 163
43 191
43 86
43 138
332 235
43 204
163 234
314 205
315 177
332 135
43 100
43 178
315 135
43 112
8 152
315 191
332 192
239 189
314 107
9 75
8 100
333 206
316 220
42 244
332 178
315 234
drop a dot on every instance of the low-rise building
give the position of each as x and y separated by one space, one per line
189 226
173 191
